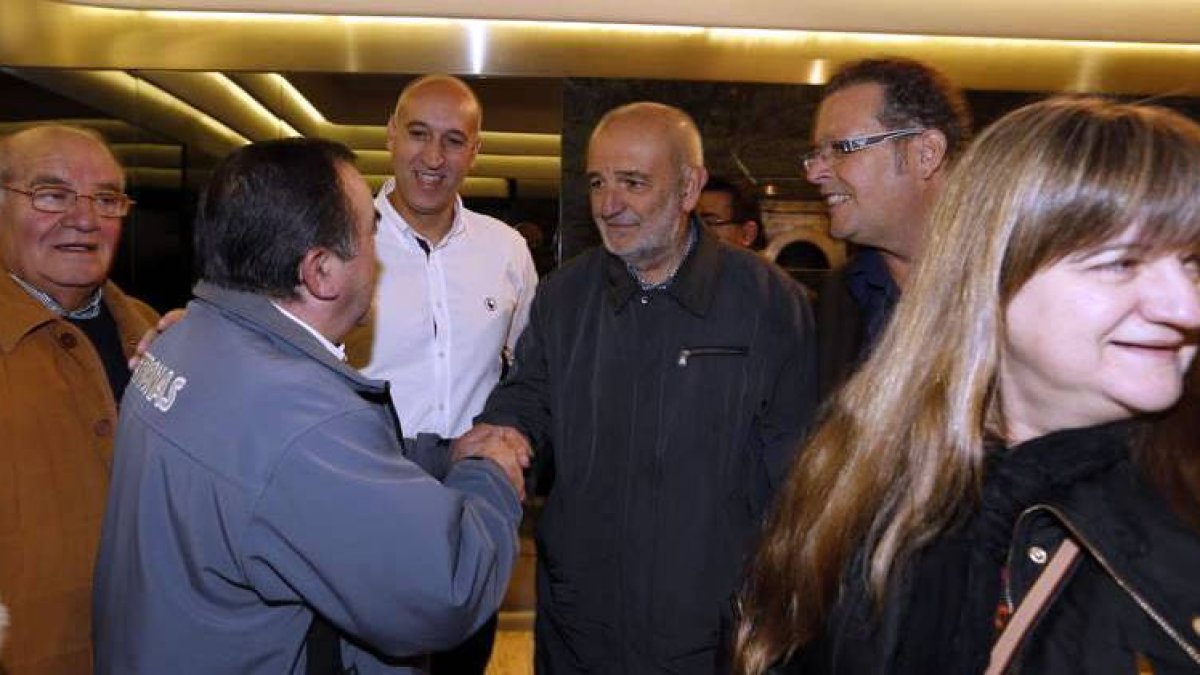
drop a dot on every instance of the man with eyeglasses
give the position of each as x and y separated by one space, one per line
729 213
884 137
66 333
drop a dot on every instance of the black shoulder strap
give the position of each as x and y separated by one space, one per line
323 647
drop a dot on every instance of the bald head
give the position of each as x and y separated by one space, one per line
17 146
445 88
671 124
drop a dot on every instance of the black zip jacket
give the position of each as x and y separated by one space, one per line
670 416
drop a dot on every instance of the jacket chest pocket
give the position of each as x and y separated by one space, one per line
694 356
724 377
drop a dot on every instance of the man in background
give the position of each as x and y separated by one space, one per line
730 214
66 334
885 136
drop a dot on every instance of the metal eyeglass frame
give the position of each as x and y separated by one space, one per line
853 144
119 210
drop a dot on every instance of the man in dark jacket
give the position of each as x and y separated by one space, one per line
668 379
260 499
885 135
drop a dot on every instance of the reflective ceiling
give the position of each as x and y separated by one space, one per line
1120 20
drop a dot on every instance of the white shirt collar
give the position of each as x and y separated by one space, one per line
390 213
337 350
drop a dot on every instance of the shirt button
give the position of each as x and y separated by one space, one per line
67 340
645 299
103 428
1037 554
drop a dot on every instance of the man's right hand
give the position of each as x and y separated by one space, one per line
169 319
503 445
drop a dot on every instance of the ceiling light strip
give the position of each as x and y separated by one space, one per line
258 109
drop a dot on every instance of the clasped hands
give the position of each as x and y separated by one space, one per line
503 445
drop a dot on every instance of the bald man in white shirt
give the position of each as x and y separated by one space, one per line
454 287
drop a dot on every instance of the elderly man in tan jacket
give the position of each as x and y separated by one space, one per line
66 334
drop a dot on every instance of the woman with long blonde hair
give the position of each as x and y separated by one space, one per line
1023 396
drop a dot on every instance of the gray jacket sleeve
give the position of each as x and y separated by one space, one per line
383 551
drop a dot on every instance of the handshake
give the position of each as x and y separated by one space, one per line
503 445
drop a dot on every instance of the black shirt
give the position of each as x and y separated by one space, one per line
855 305
102 331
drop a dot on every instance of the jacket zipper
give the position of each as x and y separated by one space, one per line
1150 611
688 352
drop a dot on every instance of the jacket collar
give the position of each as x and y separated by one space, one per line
21 313
694 284
257 311
1124 525
1040 469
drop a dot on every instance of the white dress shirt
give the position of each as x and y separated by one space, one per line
444 318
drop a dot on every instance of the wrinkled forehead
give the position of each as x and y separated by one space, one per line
630 147
61 156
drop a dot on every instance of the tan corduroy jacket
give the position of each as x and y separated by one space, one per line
57 420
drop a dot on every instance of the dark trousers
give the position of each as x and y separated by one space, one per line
471 656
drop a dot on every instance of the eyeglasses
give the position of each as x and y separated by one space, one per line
714 221
55 199
840 147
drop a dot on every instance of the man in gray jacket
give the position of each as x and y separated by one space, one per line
263 516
